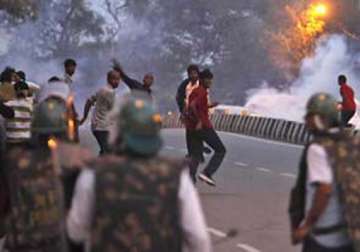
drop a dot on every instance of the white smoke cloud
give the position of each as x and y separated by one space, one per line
5 39
317 74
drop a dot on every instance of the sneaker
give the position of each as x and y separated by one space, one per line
207 179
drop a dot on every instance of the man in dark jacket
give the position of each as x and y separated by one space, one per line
133 84
187 86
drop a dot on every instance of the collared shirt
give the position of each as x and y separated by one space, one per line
192 219
320 171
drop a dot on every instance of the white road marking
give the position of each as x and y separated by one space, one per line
289 175
169 147
217 232
241 164
247 248
263 169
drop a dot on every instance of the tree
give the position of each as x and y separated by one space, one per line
19 11
65 25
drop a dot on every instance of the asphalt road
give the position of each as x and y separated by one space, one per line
252 192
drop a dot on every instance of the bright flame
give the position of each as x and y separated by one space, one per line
298 40
52 144
320 10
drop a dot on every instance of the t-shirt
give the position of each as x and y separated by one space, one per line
319 171
347 94
104 101
18 129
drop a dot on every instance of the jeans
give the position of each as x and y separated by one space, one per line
310 245
346 115
102 139
211 138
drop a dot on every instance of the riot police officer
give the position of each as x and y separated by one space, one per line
135 200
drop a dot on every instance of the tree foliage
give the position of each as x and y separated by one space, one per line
19 10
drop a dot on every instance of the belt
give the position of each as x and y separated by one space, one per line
329 230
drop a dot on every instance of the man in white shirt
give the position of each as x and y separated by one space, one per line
323 227
70 69
104 101
135 200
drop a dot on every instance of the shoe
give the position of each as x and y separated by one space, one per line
207 179
207 150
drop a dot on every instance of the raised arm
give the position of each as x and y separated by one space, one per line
131 83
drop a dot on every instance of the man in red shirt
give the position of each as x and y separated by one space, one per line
348 105
201 130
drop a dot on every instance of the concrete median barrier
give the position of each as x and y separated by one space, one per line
262 127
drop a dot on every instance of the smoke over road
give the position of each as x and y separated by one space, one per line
317 74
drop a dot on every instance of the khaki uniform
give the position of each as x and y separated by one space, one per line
36 221
137 205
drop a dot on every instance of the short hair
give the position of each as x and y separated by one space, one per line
21 85
69 62
193 67
342 78
111 74
6 75
21 74
149 74
206 74
54 79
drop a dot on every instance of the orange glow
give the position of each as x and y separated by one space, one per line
70 101
298 40
52 144
157 118
319 10
71 129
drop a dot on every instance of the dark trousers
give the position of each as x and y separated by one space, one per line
310 245
211 138
102 139
346 116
